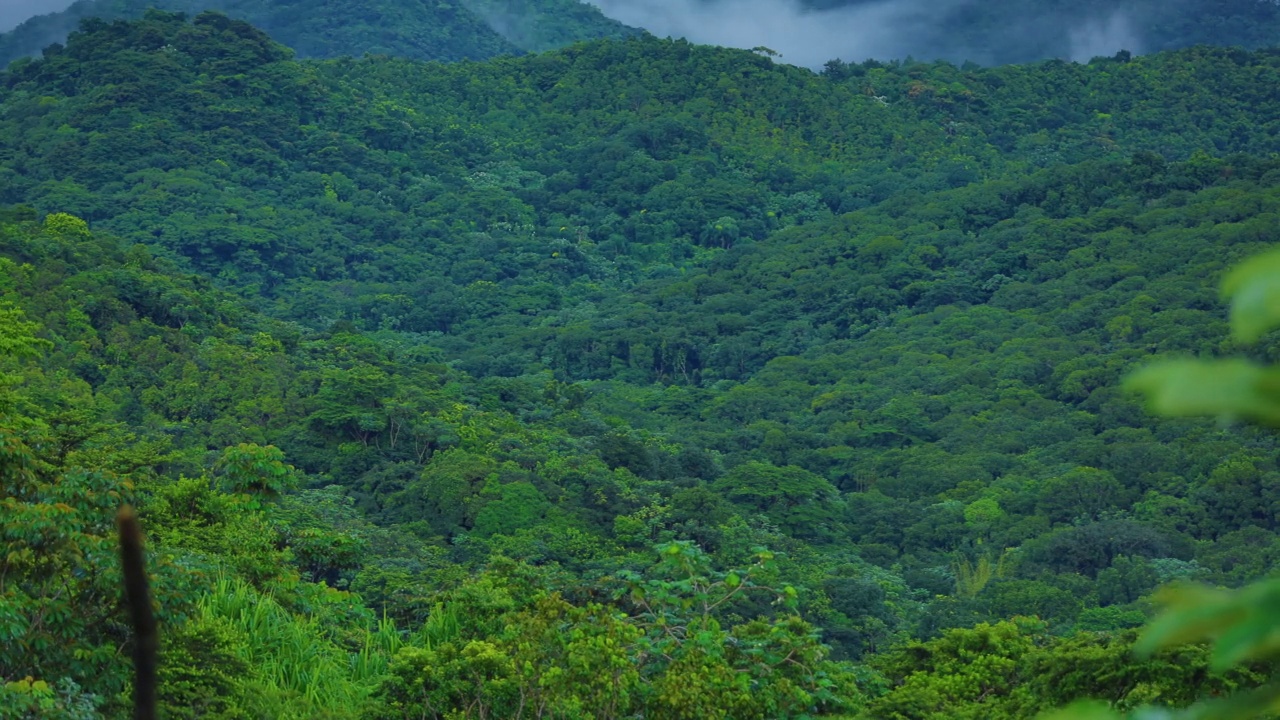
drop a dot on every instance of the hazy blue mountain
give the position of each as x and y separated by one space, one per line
537 25
992 32
317 28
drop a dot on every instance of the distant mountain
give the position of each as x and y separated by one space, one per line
417 29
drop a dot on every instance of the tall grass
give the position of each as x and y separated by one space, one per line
442 625
380 645
298 671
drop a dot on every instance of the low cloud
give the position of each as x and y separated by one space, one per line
803 36
1094 38
879 29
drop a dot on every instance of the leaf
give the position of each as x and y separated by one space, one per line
732 580
1254 289
1256 635
1240 706
1194 612
1224 388
1245 640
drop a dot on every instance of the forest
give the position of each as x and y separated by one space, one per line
637 378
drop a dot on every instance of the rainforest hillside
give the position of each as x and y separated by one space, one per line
637 377
334 28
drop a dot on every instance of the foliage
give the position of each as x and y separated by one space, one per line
1242 624
1014 669
408 367
253 470
666 655
30 699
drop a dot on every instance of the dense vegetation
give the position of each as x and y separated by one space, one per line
636 377
333 28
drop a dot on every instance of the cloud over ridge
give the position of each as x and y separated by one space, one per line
880 29
811 32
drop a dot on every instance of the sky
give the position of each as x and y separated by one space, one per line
13 12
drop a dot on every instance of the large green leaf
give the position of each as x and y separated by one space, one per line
1193 613
1241 706
1225 388
1254 289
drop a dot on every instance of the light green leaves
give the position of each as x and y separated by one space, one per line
1224 388
1242 623
18 336
1254 290
256 470
1234 388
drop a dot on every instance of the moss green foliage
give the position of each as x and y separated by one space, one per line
1014 669
661 651
635 378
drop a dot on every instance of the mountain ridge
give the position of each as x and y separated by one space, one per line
990 33
332 28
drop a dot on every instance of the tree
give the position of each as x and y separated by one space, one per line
256 471
60 618
801 502
509 508
771 667
1080 494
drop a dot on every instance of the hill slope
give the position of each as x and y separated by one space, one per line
515 323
